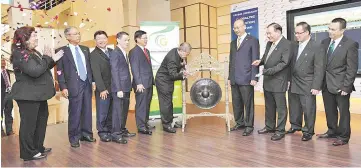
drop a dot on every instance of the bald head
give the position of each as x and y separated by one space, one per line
239 27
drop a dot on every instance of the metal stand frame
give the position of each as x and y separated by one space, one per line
225 115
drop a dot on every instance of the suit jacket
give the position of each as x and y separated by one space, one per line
341 68
141 69
276 69
34 80
242 59
120 71
67 72
169 71
100 65
308 70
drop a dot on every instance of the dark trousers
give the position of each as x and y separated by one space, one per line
104 114
34 118
7 108
80 113
302 104
120 113
142 107
165 98
275 101
332 102
243 100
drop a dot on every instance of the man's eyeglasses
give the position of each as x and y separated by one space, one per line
299 33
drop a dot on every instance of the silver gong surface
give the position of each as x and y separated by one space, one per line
205 93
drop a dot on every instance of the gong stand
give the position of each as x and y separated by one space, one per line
207 63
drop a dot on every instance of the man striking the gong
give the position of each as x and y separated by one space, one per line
171 69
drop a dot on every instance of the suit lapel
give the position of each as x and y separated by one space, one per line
102 54
275 50
304 54
68 52
243 42
337 49
121 54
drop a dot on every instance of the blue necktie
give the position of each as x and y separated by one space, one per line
81 67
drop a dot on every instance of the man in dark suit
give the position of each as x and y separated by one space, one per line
121 87
341 69
242 76
6 100
307 71
75 80
275 80
171 69
99 60
143 80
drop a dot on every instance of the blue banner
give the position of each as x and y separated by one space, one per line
250 17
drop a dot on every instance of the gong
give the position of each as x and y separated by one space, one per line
205 93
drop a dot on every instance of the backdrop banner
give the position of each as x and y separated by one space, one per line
162 37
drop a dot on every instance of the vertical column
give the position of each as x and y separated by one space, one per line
130 26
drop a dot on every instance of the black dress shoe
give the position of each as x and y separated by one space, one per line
306 137
145 131
46 150
265 131
120 140
126 133
88 138
169 129
3 133
105 138
326 135
150 126
247 132
339 142
177 125
291 131
277 136
237 127
42 156
75 145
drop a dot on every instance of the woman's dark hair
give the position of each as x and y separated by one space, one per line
21 36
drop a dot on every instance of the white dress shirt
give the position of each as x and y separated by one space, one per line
301 47
72 48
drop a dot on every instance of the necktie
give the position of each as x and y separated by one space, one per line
81 67
239 42
6 77
273 46
146 55
330 49
300 49
107 53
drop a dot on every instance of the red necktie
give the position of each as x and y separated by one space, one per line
6 77
146 55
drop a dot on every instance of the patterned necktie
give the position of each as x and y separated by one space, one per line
146 55
6 77
81 67
106 53
273 46
330 49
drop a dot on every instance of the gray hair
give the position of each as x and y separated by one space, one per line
67 29
186 47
